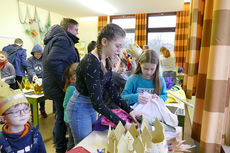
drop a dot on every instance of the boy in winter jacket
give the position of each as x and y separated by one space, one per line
17 57
17 135
35 70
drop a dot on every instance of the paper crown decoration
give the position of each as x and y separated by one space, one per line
143 140
135 50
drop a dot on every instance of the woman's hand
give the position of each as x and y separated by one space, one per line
142 99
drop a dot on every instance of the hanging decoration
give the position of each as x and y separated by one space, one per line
33 25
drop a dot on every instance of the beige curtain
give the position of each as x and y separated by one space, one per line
194 44
140 29
211 107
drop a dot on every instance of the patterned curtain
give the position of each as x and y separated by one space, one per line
102 21
181 35
194 44
212 98
140 29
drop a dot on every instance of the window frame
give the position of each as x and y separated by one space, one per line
160 29
127 30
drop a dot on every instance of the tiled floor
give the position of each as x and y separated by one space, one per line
46 128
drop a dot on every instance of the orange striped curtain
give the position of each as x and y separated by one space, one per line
212 97
141 29
102 21
181 35
194 44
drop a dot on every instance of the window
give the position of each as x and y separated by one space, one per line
161 31
128 24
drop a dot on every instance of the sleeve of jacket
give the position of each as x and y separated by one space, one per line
59 59
11 71
41 145
23 59
129 93
30 68
163 94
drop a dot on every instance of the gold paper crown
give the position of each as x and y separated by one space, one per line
10 97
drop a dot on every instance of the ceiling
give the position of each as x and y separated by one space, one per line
85 8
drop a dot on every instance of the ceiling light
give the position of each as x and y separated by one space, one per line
100 6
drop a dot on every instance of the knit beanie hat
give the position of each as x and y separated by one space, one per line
10 97
37 48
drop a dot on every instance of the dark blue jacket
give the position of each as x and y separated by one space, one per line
59 53
32 142
20 59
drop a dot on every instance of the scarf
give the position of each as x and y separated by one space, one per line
3 64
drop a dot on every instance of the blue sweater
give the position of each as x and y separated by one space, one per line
31 142
136 84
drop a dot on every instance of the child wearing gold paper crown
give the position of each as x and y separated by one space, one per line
17 135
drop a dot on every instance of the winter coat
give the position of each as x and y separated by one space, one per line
20 59
59 53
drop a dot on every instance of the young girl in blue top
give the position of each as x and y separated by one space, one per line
70 80
145 78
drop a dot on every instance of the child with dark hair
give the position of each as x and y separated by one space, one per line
7 70
94 75
17 135
91 46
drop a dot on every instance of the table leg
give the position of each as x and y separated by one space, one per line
35 111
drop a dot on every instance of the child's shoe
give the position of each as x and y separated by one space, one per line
43 113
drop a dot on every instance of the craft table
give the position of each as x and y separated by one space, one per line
34 99
98 140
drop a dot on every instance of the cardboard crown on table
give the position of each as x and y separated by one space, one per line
134 50
137 141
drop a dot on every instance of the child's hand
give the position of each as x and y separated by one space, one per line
35 78
144 98
155 96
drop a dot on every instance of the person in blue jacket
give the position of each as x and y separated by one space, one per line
145 78
34 69
17 57
17 134
59 53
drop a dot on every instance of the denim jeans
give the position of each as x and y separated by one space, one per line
81 116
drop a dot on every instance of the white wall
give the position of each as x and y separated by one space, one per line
87 29
11 27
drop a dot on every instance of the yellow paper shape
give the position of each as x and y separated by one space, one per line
157 134
146 136
129 139
145 124
112 146
119 131
133 131
138 146
122 145
27 85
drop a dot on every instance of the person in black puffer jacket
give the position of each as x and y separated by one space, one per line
59 53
